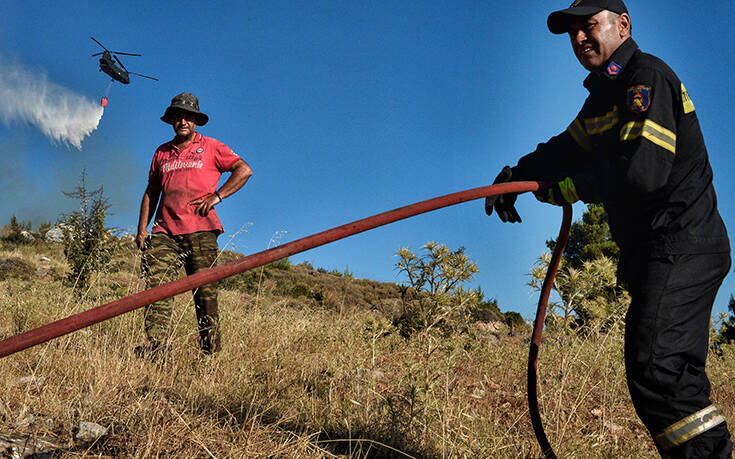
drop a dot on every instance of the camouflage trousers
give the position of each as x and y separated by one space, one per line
163 258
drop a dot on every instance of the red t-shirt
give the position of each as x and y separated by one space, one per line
184 176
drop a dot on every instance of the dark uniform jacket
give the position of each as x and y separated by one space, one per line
636 147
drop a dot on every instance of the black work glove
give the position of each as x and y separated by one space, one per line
504 204
559 193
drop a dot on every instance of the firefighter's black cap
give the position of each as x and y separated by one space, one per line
559 21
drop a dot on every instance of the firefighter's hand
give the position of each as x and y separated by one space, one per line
504 204
205 204
559 193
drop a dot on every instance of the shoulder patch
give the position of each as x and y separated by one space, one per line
686 100
639 98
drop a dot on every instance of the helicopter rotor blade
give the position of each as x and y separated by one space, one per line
144 76
97 54
120 62
103 46
125 54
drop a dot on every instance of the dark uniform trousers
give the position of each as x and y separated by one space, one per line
666 346
162 259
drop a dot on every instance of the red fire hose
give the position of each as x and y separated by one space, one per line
538 327
107 311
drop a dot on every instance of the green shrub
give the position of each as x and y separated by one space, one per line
486 311
16 268
514 321
284 264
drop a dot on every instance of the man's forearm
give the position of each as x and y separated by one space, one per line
144 216
240 175
147 208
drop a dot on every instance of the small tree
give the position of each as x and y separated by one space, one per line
13 233
87 243
436 278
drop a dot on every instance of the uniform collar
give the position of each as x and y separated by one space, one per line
616 64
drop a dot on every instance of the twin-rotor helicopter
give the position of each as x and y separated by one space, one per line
107 65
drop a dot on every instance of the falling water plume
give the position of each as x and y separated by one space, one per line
60 113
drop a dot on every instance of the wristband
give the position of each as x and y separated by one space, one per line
220 197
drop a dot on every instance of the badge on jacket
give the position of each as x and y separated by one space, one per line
639 98
613 69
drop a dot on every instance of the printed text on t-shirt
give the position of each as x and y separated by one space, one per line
175 165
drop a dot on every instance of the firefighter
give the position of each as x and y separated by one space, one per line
636 147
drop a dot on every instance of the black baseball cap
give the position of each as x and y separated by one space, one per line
559 21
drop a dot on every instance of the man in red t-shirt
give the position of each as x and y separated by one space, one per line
182 184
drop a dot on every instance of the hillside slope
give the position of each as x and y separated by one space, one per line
311 366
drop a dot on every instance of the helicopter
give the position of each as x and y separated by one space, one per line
107 65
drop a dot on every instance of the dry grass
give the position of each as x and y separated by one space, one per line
298 381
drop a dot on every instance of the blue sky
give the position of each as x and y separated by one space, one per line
344 109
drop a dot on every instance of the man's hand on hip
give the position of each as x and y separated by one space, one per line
205 204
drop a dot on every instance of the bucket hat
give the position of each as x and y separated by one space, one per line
188 102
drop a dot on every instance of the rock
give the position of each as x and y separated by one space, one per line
612 427
45 259
22 446
490 327
27 236
490 339
24 421
36 421
37 381
89 432
492 384
55 234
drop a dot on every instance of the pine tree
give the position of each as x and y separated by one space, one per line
87 243
589 238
